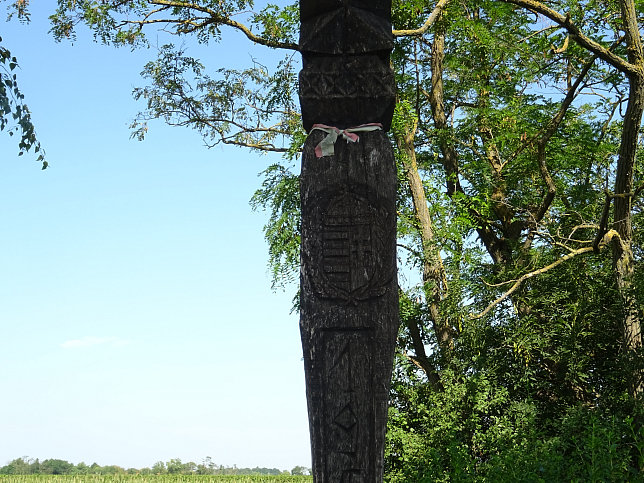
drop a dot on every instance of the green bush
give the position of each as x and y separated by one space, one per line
472 430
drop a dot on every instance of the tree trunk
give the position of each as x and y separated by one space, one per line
434 278
623 259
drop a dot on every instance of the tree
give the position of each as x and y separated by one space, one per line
82 469
630 64
18 466
56 467
517 140
507 319
14 113
111 470
174 466
159 468
206 467
300 470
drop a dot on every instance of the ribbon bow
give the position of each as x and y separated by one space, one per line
326 147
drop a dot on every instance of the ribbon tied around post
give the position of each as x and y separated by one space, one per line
326 147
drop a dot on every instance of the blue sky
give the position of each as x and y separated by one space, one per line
137 322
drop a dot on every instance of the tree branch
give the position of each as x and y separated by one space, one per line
605 240
548 132
438 9
420 358
564 21
217 18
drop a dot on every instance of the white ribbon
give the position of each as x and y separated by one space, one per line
326 147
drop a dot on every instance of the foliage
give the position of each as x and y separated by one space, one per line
479 433
250 107
522 135
280 192
14 113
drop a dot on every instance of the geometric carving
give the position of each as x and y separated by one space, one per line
340 368
346 418
348 401
345 26
347 92
315 8
346 78
325 79
341 33
332 86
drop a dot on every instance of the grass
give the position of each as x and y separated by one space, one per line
153 479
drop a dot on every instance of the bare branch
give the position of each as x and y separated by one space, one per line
420 358
269 148
411 250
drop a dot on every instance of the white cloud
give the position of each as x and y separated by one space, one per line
90 341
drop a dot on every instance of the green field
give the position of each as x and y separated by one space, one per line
153 479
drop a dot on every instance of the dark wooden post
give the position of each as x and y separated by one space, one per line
349 292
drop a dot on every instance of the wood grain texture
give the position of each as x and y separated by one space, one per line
349 303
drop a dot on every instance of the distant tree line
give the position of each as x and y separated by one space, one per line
29 466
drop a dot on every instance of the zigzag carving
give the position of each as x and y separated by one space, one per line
325 85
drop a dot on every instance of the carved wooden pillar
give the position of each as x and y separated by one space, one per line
349 293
